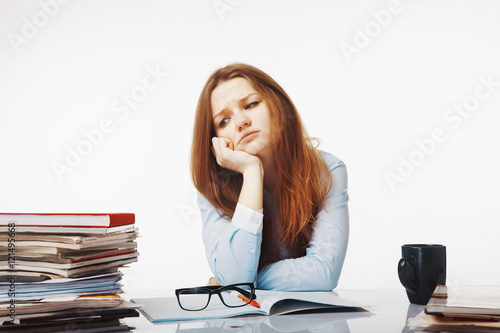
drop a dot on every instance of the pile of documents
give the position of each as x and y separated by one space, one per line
61 272
460 309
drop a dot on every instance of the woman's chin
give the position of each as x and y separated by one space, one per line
248 151
253 149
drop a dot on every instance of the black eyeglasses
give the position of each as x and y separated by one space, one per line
233 296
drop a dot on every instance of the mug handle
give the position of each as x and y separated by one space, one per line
406 270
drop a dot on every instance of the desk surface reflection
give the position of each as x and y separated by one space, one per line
389 311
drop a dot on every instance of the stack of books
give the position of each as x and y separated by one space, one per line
60 272
460 309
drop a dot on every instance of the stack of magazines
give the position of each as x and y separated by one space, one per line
460 309
61 272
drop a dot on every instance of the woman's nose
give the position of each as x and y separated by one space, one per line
242 122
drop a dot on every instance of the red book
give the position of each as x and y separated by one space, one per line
66 220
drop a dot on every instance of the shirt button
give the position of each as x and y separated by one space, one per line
252 251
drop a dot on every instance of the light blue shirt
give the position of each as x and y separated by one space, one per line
233 245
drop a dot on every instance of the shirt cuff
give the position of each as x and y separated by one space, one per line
248 219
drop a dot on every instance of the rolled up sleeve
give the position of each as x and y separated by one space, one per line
232 245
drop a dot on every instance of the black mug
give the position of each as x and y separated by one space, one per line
421 269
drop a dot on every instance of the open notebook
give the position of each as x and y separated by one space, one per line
164 309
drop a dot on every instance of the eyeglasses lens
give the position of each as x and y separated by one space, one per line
194 300
236 296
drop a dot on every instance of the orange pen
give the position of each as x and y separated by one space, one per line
252 302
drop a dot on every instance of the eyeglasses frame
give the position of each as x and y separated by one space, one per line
211 290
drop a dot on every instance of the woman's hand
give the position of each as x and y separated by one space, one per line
250 166
236 160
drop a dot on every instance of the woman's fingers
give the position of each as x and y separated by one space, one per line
220 149
224 154
226 143
231 159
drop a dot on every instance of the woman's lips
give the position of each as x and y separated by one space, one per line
248 137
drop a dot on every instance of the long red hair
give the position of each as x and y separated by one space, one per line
303 178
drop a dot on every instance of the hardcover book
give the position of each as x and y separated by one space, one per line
70 220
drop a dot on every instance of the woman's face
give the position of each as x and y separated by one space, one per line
241 115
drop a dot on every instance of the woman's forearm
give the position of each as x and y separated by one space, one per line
251 194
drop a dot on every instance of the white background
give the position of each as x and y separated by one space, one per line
65 67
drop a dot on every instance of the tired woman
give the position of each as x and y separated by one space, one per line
274 208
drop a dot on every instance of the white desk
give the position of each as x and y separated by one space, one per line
389 312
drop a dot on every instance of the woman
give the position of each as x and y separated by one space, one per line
274 209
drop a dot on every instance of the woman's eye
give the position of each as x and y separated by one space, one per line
223 122
251 105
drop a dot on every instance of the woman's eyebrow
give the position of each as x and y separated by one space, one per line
247 96
218 113
241 100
